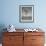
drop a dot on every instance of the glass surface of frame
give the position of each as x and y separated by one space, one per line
26 13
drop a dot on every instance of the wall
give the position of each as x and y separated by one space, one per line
10 13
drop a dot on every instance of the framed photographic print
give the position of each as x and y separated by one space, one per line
26 13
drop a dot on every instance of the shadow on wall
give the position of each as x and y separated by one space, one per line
2 26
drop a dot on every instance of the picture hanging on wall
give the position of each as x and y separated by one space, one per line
26 13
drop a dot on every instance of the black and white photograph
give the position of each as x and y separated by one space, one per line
26 13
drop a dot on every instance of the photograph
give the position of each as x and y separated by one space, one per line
26 13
